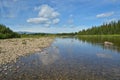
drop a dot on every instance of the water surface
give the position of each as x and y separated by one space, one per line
67 59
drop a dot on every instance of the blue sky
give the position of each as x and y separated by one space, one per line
57 16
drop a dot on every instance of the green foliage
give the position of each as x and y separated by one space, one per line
105 29
100 39
66 34
5 32
37 35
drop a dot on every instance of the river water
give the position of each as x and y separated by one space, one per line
68 59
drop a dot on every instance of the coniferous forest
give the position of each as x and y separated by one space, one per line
105 29
111 28
6 32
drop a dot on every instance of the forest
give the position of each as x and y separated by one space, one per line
105 29
6 32
112 28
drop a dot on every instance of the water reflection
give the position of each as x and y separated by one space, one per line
67 59
49 56
104 55
99 41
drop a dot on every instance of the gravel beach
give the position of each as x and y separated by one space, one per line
11 49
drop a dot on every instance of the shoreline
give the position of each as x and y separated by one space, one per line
11 49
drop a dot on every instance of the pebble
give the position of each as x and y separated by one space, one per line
11 52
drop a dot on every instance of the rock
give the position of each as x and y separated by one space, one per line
108 43
0 70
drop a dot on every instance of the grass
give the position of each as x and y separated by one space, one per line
100 35
36 36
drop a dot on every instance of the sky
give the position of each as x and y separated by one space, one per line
57 16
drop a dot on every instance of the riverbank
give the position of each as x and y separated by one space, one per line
11 49
116 35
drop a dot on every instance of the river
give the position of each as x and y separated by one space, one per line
68 59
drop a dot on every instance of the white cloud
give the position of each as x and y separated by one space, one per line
47 16
37 20
47 12
102 15
55 21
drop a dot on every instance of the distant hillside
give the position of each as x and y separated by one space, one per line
110 28
25 32
5 32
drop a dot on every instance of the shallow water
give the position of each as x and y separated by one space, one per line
67 59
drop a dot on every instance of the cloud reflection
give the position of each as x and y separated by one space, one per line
49 56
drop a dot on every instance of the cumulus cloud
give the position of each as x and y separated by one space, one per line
103 15
37 20
47 16
55 21
47 12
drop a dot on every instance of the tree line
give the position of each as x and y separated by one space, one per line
108 28
6 32
105 29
